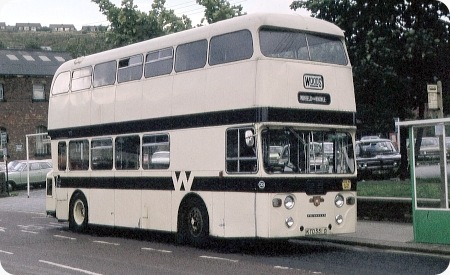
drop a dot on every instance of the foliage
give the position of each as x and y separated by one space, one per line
76 43
217 10
396 48
129 25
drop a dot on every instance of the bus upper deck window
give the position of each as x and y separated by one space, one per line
105 73
191 56
231 47
278 43
130 68
61 84
81 79
159 62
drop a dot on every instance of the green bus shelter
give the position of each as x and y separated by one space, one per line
428 155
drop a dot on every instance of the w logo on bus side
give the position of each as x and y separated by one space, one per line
182 180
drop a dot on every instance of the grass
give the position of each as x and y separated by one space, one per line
426 188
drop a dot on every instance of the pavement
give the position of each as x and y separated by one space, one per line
395 236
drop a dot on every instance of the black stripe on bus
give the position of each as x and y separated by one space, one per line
310 186
252 115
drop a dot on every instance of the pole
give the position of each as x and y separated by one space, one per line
28 169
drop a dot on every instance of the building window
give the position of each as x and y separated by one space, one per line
3 141
42 145
38 92
2 93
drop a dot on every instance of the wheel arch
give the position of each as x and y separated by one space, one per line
78 194
186 199
189 199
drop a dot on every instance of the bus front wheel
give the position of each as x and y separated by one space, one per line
194 227
78 213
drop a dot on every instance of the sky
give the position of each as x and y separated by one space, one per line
84 12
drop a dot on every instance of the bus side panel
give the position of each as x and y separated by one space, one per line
198 150
156 210
127 210
240 215
101 206
231 86
58 111
156 97
62 204
79 109
189 93
262 210
128 101
102 105
217 215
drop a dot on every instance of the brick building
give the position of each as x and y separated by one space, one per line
25 80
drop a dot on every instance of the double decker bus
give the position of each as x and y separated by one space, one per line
244 128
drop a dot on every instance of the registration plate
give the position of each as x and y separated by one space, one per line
316 231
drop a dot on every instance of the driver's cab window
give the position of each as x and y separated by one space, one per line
241 150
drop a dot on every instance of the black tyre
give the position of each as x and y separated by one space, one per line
78 213
11 186
194 223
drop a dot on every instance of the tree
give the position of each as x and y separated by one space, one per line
129 25
396 47
217 10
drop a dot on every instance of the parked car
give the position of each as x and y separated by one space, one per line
17 174
376 158
429 149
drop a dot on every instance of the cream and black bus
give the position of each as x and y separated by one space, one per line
243 128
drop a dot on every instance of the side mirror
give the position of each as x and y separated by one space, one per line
249 138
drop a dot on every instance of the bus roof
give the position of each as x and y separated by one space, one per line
250 21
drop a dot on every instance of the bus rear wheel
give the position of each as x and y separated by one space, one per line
78 213
194 227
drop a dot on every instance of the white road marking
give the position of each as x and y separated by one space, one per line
69 267
64 237
220 259
102 242
31 232
282 267
6 252
156 250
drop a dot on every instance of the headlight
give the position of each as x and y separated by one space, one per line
339 200
339 219
289 222
289 202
